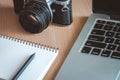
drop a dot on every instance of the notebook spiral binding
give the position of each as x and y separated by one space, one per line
37 45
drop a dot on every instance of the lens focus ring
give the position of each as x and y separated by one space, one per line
35 17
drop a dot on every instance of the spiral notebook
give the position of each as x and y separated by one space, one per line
13 54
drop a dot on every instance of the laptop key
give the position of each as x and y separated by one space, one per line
101 21
115 28
118 24
86 50
95 44
117 35
108 27
105 53
109 40
115 55
117 41
110 34
110 23
118 48
96 51
119 29
111 47
98 26
98 32
96 38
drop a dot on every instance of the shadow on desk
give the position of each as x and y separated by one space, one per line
9 21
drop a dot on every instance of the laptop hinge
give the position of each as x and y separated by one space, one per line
115 17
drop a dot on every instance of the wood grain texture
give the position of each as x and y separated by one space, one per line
58 36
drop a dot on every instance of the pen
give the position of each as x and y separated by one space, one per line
24 67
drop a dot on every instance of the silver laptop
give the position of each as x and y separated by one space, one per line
96 53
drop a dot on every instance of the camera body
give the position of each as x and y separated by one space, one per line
36 15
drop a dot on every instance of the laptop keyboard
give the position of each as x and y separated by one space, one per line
104 40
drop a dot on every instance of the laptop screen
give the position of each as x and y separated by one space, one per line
107 6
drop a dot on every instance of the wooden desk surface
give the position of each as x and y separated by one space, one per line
55 36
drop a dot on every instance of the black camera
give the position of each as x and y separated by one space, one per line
36 15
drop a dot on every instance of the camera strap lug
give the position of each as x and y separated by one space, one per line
64 4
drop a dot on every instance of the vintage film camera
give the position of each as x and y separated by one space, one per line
36 15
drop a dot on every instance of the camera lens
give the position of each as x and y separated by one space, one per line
35 17
32 19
